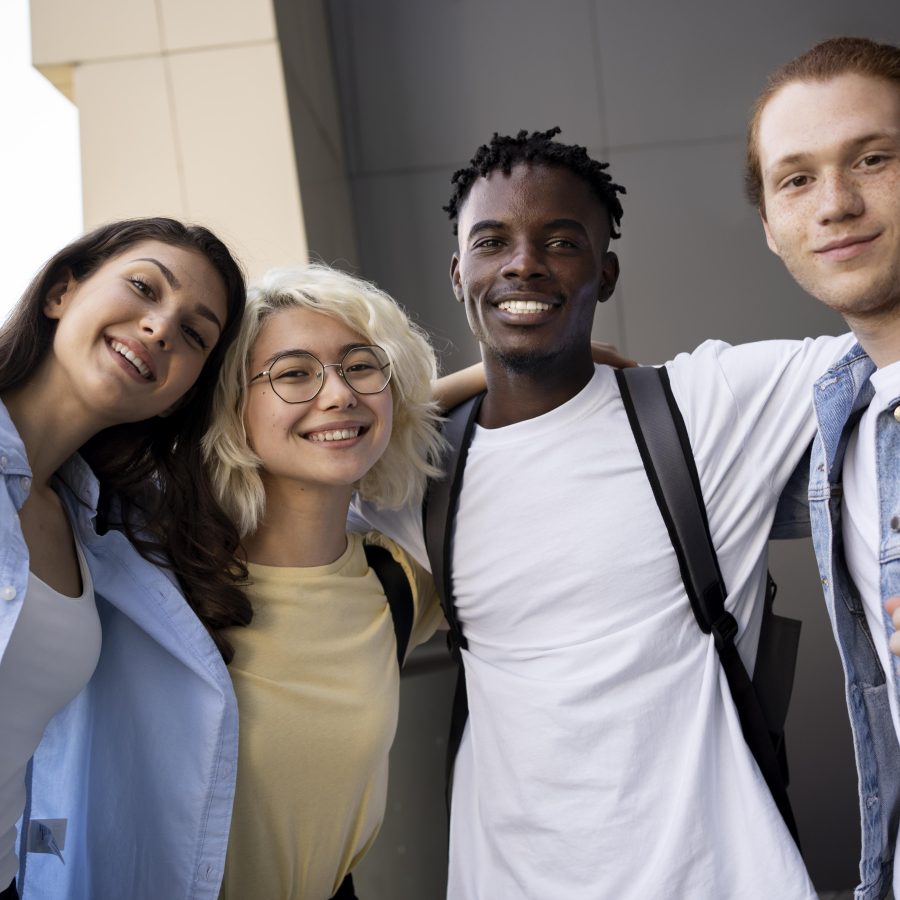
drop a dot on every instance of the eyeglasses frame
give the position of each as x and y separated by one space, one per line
338 365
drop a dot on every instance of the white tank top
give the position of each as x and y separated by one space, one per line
51 654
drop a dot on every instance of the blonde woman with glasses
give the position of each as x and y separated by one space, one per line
327 390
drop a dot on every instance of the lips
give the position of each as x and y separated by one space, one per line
846 247
335 434
520 307
129 353
528 305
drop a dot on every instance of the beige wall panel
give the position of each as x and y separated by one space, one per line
189 24
65 31
237 152
128 149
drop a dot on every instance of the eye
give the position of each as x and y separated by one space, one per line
795 182
871 160
140 284
292 374
487 244
360 367
194 336
562 243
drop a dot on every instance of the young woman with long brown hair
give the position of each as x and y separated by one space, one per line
107 367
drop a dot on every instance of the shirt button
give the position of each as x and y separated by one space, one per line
895 523
8 592
26 483
897 413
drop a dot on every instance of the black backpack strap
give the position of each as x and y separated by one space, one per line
438 514
665 450
398 592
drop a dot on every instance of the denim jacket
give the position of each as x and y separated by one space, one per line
141 764
840 397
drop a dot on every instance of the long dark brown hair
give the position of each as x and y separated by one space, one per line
151 472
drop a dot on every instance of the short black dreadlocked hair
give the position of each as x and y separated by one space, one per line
503 152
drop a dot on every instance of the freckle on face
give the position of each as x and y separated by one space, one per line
823 122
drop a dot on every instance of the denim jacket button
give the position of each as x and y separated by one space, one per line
897 413
8 592
895 523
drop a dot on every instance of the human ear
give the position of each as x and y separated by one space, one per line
58 295
455 279
610 275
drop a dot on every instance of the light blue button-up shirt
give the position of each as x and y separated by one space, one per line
840 397
141 764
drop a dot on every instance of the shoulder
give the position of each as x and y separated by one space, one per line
426 605
745 374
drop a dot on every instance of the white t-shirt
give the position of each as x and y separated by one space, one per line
603 757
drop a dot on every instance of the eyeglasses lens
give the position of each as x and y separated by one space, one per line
298 377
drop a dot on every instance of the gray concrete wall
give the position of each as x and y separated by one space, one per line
661 90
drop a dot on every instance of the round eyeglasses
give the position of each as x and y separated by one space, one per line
298 377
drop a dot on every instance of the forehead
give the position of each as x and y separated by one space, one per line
188 264
303 329
532 195
810 117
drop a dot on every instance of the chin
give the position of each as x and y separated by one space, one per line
526 362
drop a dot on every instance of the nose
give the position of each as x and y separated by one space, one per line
335 392
159 327
526 261
839 198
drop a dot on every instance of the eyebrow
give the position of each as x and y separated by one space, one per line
553 225
572 224
794 159
201 309
168 274
486 225
342 352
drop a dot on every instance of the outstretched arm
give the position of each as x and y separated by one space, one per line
455 388
608 355
451 390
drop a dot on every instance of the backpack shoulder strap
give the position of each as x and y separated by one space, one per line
439 506
398 592
438 514
665 450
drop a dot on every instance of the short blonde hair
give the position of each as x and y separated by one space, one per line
398 478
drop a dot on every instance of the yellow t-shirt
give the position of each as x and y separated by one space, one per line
317 685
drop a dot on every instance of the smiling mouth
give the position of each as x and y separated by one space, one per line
846 249
523 307
337 434
133 358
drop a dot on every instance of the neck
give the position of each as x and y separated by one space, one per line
303 526
51 428
879 335
517 396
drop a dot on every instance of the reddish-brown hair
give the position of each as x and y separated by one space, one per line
827 60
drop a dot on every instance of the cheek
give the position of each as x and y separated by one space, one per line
259 425
385 411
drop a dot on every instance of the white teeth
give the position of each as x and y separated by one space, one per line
132 357
523 306
341 434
